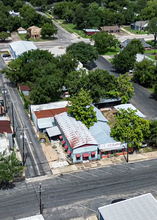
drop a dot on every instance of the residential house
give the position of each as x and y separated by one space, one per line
127 41
77 139
140 57
34 32
21 30
143 207
19 47
5 128
110 29
91 31
24 89
141 25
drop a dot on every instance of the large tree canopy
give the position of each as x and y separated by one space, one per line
130 128
81 108
83 52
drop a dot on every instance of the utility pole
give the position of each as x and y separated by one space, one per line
40 199
127 159
13 117
23 148
5 106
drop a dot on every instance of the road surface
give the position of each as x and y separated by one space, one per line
36 163
79 194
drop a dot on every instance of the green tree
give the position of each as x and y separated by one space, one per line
152 139
125 88
83 52
27 36
59 9
4 35
103 41
81 108
144 73
130 127
80 17
10 167
152 28
135 46
48 29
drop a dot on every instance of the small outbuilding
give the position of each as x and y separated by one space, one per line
34 32
91 31
142 207
110 29
24 89
21 30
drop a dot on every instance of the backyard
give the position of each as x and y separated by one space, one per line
23 37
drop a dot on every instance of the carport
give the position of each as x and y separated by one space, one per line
53 133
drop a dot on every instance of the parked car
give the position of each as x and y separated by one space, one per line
6 55
131 71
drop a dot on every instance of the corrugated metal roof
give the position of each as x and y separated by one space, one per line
101 132
99 115
35 217
5 127
49 112
19 47
54 131
129 106
45 123
75 132
143 207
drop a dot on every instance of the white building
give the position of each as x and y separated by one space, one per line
21 30
19 47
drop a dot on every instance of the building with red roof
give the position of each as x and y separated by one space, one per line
24 89
5 128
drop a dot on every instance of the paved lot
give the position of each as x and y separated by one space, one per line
78 195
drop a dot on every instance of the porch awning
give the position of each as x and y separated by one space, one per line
63 142
78 155
86 155
93 153
60 137
53 131
66 147
69 152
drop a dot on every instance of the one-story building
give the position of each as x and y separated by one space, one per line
34 32
21 30
127 41
24 89
110 29
143 207
141 25
77 139
91 31
17 48
5 128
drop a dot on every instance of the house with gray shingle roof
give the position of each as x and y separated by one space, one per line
127 41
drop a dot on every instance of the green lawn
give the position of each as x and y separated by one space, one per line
134 31
151 89
152 56
151 51
151 42
22 36
112 51
111 60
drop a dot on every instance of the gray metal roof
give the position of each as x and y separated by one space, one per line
35 217
54 131
143 207
129 106
19 47
140 57
127 41
45 123
99 115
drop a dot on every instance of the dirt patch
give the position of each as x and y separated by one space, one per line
50 154
15 36
109 115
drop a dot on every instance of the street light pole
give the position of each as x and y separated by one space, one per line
40 199
23 149
13 117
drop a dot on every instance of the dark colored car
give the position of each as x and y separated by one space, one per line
117 200
6 55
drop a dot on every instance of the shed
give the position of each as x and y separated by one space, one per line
34 32
53 132
19 47
110 29
91 31
21 30
24 89
143 207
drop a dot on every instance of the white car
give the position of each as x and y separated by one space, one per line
131 71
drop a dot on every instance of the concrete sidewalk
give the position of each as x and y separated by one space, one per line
104 162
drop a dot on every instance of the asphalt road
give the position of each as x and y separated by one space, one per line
36 163
79 194
143 100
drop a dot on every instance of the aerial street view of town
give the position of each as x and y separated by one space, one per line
78 110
